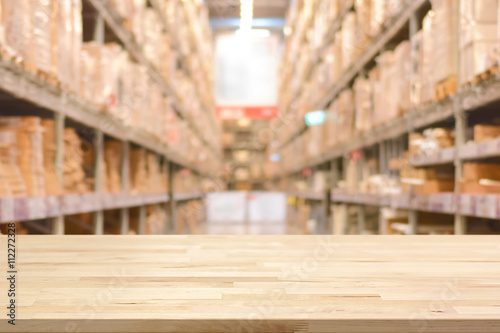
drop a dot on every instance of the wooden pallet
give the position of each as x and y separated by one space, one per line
47 77
492 71
445 88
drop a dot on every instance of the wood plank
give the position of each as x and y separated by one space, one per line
183 283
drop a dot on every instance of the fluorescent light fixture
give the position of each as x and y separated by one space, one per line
258 33
246 14
315 118
244 122
275 157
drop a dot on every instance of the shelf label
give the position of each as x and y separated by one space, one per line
36 208
251 112
7 209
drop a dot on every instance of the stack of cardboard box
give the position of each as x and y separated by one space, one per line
478 37
486 132
52 184
112 158
74 177
30 153
11 181
138 171
480 178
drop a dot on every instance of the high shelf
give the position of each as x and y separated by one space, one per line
133 173
373 145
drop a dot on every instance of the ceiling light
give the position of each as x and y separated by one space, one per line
259 33
246 14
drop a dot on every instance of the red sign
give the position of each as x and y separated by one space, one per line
251 112
356 155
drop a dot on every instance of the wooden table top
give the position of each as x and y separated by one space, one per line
255 284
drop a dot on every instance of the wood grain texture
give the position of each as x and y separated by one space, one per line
256 284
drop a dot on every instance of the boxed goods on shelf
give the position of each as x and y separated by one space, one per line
52 184
350 46
363 14
184 182
11 180
478 38
486 132
434 186
431 141
363 104
156 218
113 159
146 175
402 72
74 178
377 95
445 56
427 76
386 109
346 115
480 178
378 16
28 131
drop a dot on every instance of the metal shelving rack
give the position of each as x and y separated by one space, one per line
34 95
465 101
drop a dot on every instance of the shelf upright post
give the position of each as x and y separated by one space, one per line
460 126
58 221
98 169
383 171
99 33
142 220
460 130
125 178
361 208
327 202
344 218
414 27
169 198
172 203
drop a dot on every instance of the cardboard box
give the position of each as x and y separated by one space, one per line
434 186
445 39
486 132
477 171
473 186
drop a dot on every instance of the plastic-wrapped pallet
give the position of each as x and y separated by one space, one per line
402 69
350 46
394 7
388 109
91 73
41 35
315 141
478 37
337 56
416 69
445 39
346 115
363 12
378 97
363 104
16 29
151 30
378 16
427 74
